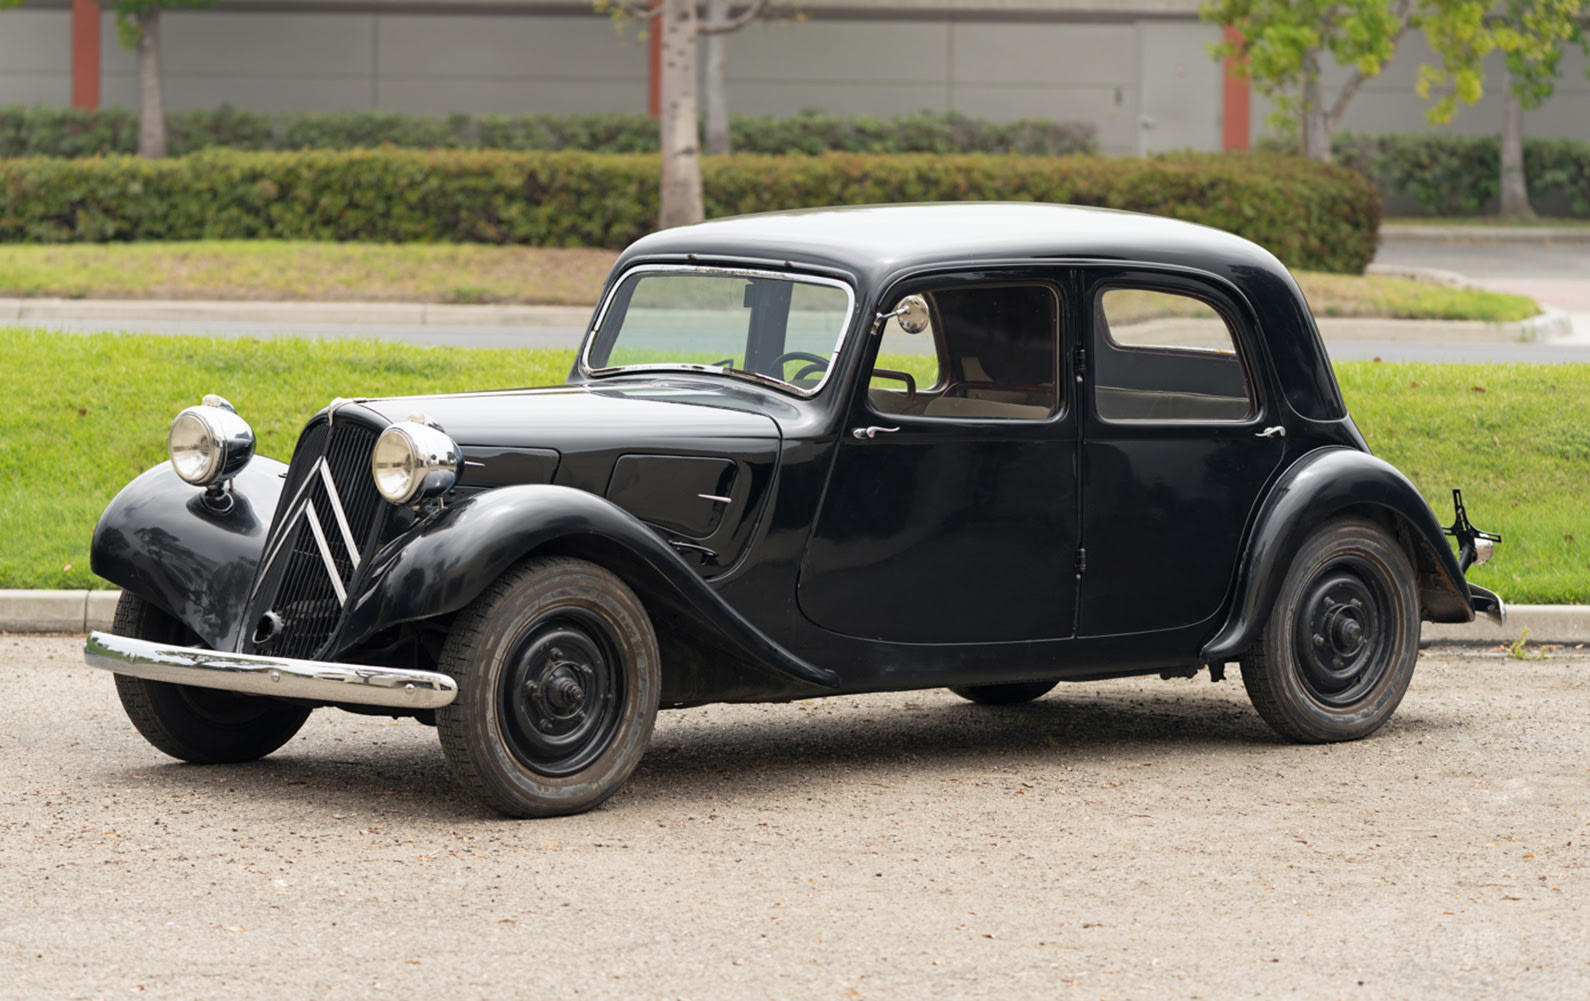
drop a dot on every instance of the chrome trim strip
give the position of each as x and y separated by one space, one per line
253 674
325 552
336 509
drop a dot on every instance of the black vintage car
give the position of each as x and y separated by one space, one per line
984 446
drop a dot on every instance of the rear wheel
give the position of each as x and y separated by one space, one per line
1339 649
558 682
203 725
1004 695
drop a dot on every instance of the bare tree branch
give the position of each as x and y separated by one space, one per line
746 16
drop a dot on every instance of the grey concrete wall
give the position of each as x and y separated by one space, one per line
1109 62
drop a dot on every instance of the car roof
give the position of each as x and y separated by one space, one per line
877 243
874 242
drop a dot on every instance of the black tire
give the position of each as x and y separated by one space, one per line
1004 695
558 681
1339 649
203 725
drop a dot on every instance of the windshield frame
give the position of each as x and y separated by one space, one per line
765 380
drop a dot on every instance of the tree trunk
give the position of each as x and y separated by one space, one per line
717 53
681 145
1515 188
151 101
1316 128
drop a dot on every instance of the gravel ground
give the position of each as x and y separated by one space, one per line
1137 838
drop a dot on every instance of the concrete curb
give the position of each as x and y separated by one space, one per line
56 611
424 314
80 611
1488 234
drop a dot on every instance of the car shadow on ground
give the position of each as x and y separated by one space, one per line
698 754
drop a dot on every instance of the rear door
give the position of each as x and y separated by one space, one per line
1180 437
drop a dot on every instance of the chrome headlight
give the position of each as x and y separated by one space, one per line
209 443
414 461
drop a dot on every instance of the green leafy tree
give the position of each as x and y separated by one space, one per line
1284 44
1535 34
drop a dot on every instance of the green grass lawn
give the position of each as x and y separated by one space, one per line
472 273
86 413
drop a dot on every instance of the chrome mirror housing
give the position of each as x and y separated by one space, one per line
911 313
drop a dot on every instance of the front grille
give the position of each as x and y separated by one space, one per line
311 566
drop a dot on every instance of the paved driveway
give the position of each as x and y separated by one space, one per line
1124 839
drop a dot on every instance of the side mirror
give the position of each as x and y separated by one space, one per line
911 313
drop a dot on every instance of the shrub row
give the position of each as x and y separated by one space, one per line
1453 175
1310 215
64 132
1461 175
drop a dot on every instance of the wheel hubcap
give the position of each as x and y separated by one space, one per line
561 697
1343 634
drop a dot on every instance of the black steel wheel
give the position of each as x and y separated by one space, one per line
1004 695
558 681
203 725
1339 649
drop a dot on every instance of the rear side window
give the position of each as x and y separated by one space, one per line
1166 356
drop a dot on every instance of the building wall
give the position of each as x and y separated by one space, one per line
1137 69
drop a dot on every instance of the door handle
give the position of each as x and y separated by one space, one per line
871 432
1276 432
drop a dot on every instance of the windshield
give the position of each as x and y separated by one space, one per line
753 324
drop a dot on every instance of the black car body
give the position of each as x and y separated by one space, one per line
983 446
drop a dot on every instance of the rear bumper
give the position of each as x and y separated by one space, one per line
1488 604
281 677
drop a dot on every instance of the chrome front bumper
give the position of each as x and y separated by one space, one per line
282 677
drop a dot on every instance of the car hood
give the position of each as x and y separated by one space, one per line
579 418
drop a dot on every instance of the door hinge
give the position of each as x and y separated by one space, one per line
1082 560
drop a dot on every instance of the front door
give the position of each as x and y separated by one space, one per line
1179 440
951 511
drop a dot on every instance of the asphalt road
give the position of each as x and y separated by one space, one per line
1141 838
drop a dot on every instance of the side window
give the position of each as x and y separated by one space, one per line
989 352
1165 356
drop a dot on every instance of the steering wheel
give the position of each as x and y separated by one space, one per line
816 363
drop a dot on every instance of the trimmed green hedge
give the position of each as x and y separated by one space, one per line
1451 175
1311 216
40 131
1461 175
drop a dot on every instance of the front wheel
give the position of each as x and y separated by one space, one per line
1337 654
206 726
558 683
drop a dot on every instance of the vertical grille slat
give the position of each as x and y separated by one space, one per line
304 598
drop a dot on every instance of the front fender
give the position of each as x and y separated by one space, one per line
1320 485
162 540
453 559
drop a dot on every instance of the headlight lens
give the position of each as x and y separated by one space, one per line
413 461
209 443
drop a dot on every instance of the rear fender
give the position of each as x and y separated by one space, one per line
193 556
1322 484
452 559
